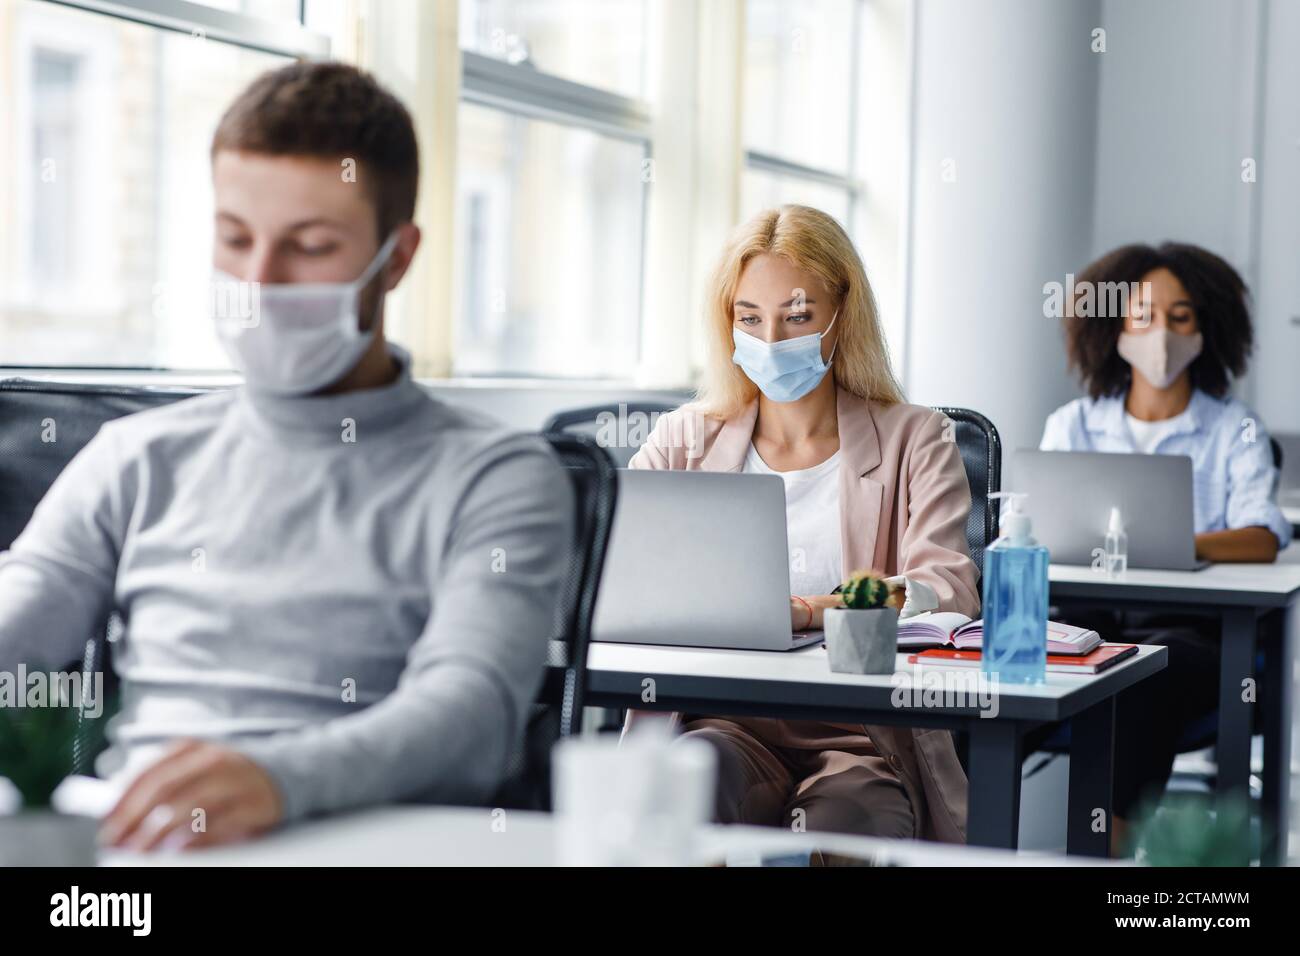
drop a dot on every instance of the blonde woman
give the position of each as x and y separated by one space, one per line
871 482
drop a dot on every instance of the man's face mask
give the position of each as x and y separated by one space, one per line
1160 355
294 338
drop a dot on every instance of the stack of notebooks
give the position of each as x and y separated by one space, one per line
955 640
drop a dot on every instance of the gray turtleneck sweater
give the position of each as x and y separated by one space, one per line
354 590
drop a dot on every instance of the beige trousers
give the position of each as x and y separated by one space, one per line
805 775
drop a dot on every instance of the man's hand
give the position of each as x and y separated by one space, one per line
236 797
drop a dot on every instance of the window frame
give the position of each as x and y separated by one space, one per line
283 38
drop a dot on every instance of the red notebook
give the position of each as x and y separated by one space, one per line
1094 662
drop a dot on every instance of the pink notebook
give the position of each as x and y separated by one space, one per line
950 629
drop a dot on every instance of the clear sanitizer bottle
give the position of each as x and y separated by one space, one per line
1116 546
1015 600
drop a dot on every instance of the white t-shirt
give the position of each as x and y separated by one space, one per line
1147 435
812 516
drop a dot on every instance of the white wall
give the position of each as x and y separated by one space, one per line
529 406
1006 90
1189 90
1175 120
1276 391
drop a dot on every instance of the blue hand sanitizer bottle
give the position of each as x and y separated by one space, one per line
1015 600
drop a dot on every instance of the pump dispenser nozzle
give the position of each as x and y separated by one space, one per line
1013 521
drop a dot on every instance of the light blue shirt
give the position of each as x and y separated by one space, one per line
1233 477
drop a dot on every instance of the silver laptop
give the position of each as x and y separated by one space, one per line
1071 494
698 559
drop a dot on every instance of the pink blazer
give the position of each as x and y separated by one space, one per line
904 500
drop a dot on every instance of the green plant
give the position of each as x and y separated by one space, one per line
1194 832
37 745
865 590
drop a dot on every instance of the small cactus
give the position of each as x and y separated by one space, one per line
865 590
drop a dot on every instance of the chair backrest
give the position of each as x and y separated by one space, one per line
620 428
44 424
981 455
595 483
42 427
977 441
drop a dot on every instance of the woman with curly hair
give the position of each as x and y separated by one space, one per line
1157 373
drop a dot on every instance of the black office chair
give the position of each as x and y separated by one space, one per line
601 423
976 437
42 426
981 455
528 778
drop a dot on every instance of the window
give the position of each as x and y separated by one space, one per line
584 161
57 87
550 247
551 187
800 114
105 124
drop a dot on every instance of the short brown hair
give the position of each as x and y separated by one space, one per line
330 110
1218 295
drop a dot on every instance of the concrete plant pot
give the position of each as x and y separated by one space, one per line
46 838
861 642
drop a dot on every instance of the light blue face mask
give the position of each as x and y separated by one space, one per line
784 371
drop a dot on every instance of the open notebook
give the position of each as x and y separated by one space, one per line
950 629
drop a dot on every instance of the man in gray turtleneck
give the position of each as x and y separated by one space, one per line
337 590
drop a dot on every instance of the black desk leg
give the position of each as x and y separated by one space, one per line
1232 749
1092 770
1274 698
993 814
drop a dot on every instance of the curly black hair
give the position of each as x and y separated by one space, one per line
1219 297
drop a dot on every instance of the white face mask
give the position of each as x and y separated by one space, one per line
295 338
1158 354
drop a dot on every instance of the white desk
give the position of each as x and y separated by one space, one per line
1256 605
455 836
800 685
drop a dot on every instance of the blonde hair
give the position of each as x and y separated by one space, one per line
814 242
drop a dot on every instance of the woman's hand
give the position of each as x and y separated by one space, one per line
1256 545
800 606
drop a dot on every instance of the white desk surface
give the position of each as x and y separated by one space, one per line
801 684
455 836
809 665
1291 513
1271 584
